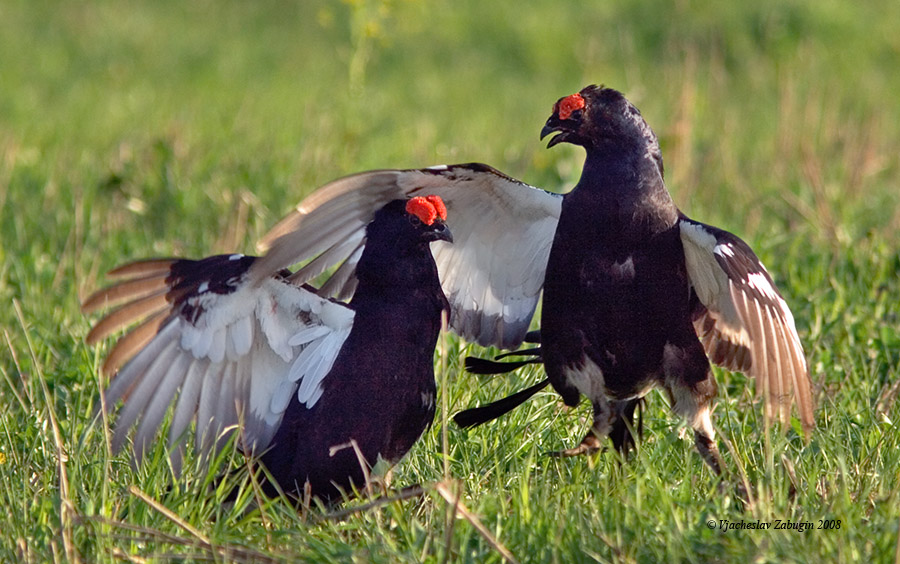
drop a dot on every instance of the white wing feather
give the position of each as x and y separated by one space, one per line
492 274
745 324
236 362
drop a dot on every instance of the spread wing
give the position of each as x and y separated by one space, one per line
743 322
222 351
493 273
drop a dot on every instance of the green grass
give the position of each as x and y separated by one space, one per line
131 129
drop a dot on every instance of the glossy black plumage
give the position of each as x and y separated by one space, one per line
298 373
381 390
619 302
638 295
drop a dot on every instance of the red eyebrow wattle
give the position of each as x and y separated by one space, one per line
425 209
570 104
439 206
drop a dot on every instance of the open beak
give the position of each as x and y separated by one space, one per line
553 125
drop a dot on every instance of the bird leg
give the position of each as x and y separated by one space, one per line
709 451
704 440
602 425
588 445
693 403
691 388
623 430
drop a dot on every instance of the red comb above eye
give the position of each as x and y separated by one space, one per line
427 209
570 104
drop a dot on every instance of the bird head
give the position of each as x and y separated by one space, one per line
398 243
404 224
596 116
428 214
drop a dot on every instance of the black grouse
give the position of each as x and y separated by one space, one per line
301 376
636 294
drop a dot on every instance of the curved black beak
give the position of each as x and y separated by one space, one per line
439 232
553 125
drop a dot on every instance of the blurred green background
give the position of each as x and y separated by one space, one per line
136 128
789 107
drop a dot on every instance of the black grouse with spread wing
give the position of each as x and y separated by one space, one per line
230 344
636 294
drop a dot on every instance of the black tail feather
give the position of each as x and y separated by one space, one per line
533 337
536 352
477 365
478 415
